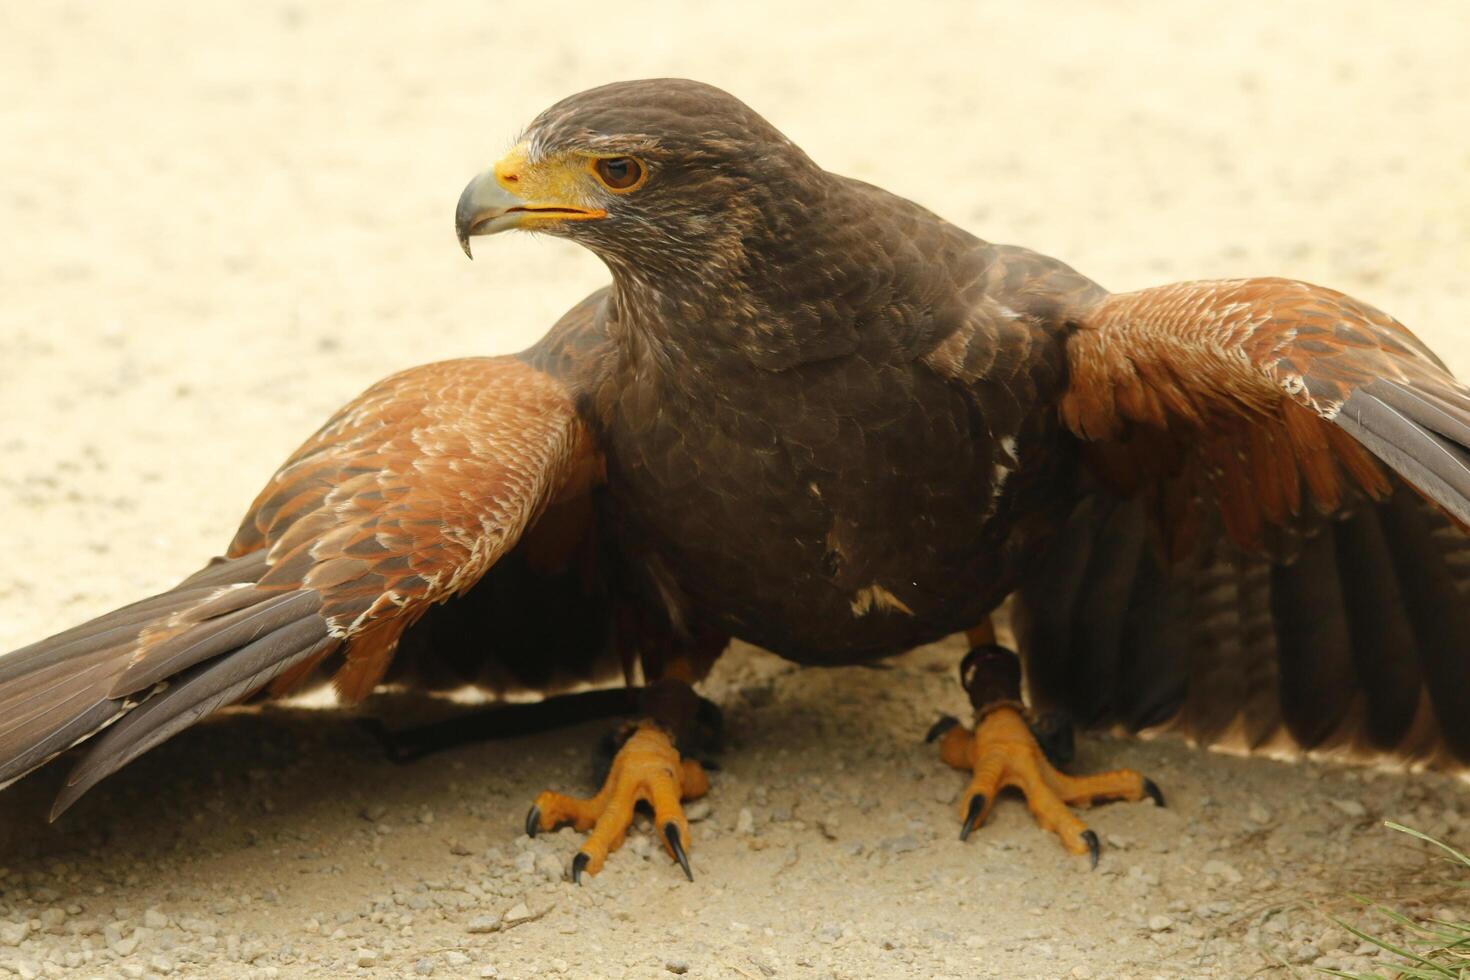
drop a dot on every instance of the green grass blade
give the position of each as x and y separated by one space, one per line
1425 837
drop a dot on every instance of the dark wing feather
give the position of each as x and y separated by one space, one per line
1313 647
402 501
1306 465
1379 621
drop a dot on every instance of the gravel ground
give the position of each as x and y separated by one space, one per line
223 220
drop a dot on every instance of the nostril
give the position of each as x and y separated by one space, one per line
511 178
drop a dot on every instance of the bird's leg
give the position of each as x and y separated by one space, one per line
1052 729
500 721
1002 751
648 769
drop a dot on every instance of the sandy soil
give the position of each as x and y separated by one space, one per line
222 221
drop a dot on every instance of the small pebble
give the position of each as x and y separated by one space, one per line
551 867
483 923
1222 870
677 966
745 822
1159 923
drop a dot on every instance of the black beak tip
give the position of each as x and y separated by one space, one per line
464 217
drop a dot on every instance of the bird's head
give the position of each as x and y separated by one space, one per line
659 176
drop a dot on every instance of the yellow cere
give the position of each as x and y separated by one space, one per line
560 182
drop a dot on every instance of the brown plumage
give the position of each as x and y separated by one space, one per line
818 417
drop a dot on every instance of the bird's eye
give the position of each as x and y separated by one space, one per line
618 173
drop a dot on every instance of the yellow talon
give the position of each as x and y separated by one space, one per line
647 769
1002 752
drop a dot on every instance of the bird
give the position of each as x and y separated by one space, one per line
812 415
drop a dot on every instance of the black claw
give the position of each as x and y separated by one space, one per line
579 864
533 821
671 834
1152 789
1094 848
944 724
972 816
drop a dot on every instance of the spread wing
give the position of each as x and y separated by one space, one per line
1270 549
403 500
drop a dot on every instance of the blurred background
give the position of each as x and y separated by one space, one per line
219 221
222 220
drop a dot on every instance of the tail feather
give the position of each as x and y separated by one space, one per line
178 655
64 713
118 628
227 571
40 693
201 690
122 625
52 713
211 636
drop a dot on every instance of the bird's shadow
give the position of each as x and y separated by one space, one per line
249 775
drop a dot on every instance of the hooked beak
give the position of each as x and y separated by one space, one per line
488 206
484 208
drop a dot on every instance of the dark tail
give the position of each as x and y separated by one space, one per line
147 671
